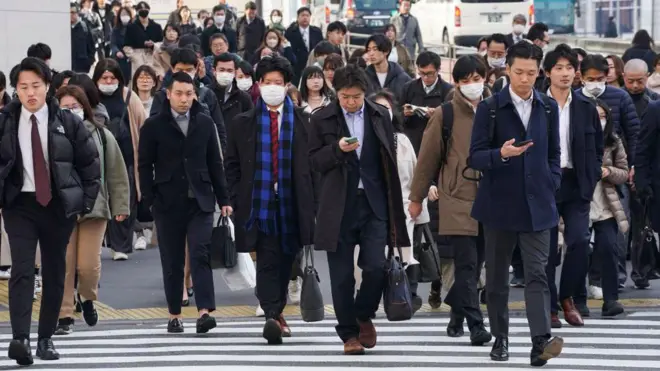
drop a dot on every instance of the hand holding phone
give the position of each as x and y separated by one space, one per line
523 143
351 140
511 148
348 144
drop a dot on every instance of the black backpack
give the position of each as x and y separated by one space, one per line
448 125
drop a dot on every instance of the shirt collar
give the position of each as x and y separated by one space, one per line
176 114
518 100
358 113
568 100
279 109
430 88
41 114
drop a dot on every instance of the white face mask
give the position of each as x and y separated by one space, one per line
518 29
108 89
483 53
271 43
277 19
224 78
193 75
244 84
219 19
472 91
273 95
496 62
78 112
125 19
603 122
594 88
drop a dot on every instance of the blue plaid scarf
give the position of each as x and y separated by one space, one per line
265 213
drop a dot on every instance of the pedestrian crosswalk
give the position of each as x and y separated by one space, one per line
421 343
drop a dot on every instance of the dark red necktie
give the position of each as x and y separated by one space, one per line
41 178
274 142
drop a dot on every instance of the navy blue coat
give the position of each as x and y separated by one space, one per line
517 194
648 158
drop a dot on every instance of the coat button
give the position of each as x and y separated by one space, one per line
530 196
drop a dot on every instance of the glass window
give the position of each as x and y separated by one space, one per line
376 4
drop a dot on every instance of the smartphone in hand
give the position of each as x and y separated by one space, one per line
351 140
523 143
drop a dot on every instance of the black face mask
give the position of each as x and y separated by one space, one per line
144 13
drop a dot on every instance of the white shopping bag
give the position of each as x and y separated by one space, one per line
243 276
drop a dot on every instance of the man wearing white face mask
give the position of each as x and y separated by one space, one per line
455 193
220 25
232 100
518 29
266 161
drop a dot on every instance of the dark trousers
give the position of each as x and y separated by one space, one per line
360 226
120 234
534 248
297 268
575 212
174 226
636 226
517 263
622 238
273 274
606 250
463 297
26 223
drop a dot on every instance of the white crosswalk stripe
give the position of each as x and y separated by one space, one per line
421 343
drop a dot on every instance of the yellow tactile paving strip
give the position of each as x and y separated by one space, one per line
108 313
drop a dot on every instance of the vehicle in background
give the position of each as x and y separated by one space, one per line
557 14
324 12
366 17
464 22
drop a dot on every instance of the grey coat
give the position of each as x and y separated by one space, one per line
411 36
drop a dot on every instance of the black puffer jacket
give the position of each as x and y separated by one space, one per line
72 156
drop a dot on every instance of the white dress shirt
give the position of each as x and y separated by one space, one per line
565 131
25 143
304 32
523 107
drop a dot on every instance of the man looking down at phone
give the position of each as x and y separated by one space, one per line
515 199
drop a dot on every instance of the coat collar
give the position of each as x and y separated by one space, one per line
335 110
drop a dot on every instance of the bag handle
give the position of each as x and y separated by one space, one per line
428 235
390 254
223 221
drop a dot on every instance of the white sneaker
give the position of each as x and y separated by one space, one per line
294 291
119 256
141 243
37 284
5 275
511 269
260 312
595 292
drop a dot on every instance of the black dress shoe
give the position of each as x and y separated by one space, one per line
455 326
480 336
205 323
544 349
500 351
416 303
90 315
46 350
175 326
19 351
612 309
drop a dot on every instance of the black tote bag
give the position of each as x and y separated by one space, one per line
223 249
397 296
311 298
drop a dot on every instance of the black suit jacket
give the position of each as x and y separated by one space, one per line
170 163
299 48
240 164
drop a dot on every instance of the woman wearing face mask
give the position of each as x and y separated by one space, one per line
141 38
187 25
399 52
163 50
245 80
127 115
274 41
276 21
145 85
118 39
314 91
83 254
607 213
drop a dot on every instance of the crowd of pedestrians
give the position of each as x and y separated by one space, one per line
526 160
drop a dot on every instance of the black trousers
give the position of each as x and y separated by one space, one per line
26 223
120 234
274 268
362 228
173 227
462 296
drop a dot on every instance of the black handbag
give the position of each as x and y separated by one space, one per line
311 298
223 249
646 254
426 253
397 297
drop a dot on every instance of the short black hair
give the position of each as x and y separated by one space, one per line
581 52
58 80
184 56
88 86
110 65
350 76
594 62
537 31
179 77
218 35
224 57
562 51
524 50
303 9
427 58
219 7
41 51
274 64
498 38
325 47
143 5
383 44
246 67
31 64
336 26
174 27
467 65
251 5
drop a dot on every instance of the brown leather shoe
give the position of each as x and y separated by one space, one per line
554 321
367 334
286 331
571 314
353 347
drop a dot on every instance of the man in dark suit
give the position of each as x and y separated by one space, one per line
251 31
581 143
515 144
50 175
182 176
268 174
352 146
220 25
518 33
303 38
